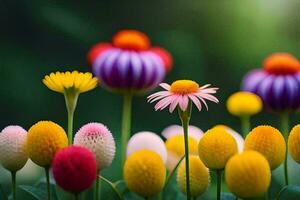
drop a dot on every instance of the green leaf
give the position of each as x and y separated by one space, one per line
2 193
42 185
63 194
227 196
121 186
39 190
290 192
35 192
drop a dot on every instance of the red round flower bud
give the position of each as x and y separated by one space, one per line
96 50
165 56
74 169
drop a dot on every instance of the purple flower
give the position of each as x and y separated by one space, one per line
278 84
121 69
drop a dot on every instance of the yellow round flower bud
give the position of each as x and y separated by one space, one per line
294 143
176 145
244 104
175 149
269 142
216 147
144 173
199 176
248 174
44 139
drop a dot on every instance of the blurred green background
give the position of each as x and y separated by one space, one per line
211 41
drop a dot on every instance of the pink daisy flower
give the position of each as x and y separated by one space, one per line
180 93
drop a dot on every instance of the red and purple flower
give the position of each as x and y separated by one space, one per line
278 83
129 64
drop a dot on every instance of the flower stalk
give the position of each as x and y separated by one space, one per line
71 97
97 189
126 124
13 185
185 119
284 120
48 182
219 184
245 124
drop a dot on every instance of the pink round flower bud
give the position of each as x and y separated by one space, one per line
13 154
74 169
98 139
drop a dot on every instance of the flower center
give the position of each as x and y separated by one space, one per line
132 40
281 63
184 87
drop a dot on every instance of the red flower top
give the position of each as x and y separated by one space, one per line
281 64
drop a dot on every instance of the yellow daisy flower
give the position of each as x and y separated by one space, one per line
71 84
64 82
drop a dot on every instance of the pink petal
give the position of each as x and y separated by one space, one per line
204 102
164 94
204 86
209 90
165 86
157 94
207 96
196 101
163 103
210 97
174 103
183 102
170 101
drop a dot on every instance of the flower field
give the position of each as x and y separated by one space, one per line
132 121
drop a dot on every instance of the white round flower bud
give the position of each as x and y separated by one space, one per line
13 154
172 130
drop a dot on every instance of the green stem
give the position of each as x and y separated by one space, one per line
285 131
2 193
219 184
280 192
97 189
76 196
173 171
185 119
113 186
267 195
70 127
13 185
126 125
48 182
245 123
71 98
